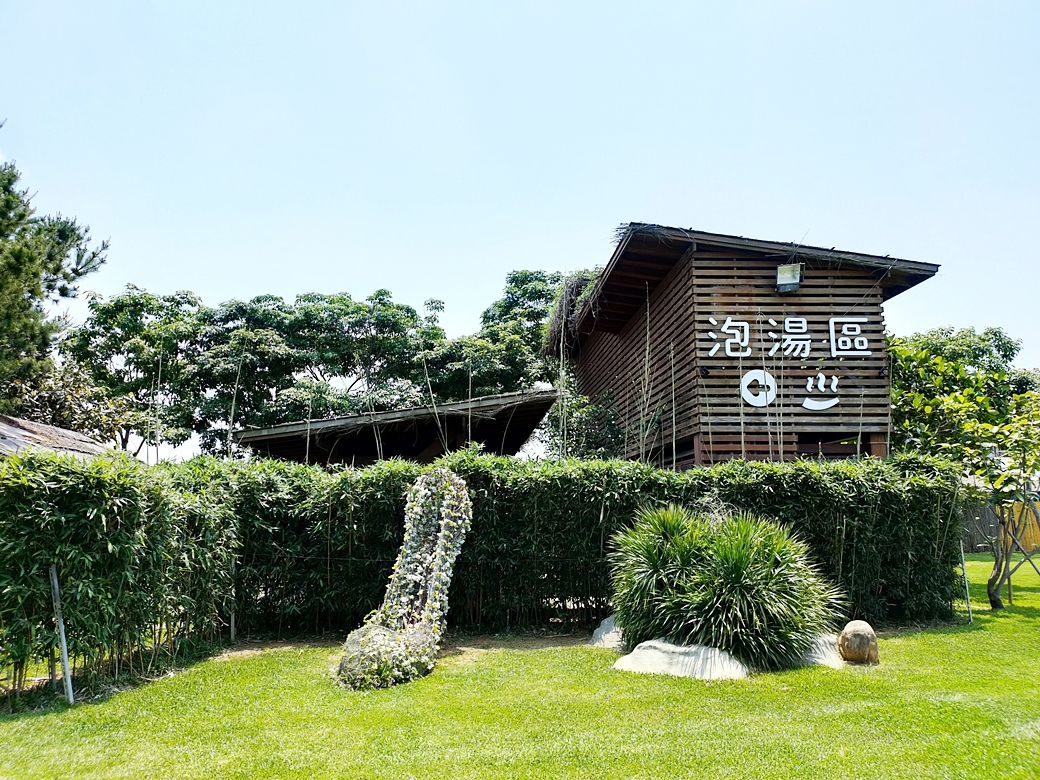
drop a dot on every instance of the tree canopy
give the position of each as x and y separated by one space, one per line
955 391
956 394
189 368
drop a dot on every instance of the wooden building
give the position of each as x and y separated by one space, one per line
713 347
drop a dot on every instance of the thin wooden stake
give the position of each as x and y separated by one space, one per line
740 370
964 574
155 412
644 409
307 454
234 604
433 404
56 595
561 393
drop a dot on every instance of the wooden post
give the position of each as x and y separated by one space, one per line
61 635
671 353
964 574
877 444
234 603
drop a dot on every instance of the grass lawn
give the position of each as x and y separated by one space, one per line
959 701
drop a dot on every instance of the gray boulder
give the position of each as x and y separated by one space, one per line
857 643
697 661
608 635
824 652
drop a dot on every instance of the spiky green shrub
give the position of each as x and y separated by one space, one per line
731 581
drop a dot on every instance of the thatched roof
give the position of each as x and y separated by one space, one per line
501 423
562 323
17 434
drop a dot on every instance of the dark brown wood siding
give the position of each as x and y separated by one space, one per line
712 421
641 388
745 290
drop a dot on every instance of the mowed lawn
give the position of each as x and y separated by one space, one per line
958 701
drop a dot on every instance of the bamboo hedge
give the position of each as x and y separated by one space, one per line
144 567
152 558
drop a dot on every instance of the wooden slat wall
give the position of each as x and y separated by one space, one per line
746 290
617 361
712 422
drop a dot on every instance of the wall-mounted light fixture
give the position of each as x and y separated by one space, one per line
789 277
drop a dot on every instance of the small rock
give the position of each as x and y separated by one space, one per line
608 635
858 643
702 663
824 652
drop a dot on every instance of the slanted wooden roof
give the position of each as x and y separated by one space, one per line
645 254
17 434
502 423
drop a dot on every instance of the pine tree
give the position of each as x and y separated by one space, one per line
41 261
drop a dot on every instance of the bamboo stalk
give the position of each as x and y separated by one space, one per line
964 573
671 355
234 397
562 396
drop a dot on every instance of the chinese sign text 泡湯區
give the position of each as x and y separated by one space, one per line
792 339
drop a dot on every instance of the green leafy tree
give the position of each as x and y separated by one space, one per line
264 361
143 347
241 362
67 396
42 259
190 368
992 350
504 356
472 366
524 308
944 380
956 394
1004 457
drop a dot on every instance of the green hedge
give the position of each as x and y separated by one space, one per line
291 549
142 565
887 531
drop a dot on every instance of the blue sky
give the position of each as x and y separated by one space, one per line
236 149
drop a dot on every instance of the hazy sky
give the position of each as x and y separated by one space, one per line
240 149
